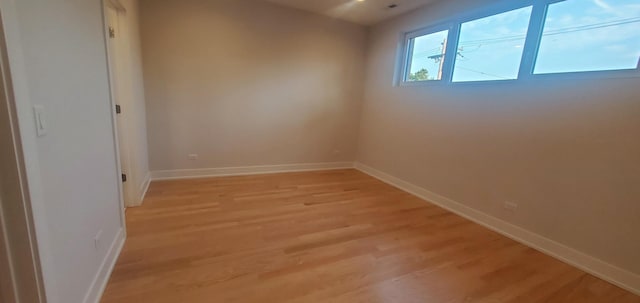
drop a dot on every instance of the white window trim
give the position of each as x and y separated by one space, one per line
408 52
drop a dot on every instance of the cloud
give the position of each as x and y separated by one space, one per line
602 4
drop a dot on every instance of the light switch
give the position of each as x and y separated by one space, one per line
41 121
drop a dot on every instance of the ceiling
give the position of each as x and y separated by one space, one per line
367 12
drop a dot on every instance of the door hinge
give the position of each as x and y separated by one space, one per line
112 32
118 109
124 178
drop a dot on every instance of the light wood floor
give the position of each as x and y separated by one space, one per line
335 236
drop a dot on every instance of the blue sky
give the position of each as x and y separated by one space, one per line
579 35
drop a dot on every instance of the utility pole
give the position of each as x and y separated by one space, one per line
444 51
440 57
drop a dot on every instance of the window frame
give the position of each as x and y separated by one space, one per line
529 56
407 58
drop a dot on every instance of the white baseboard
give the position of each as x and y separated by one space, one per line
246 170
615 275
144 187
104 273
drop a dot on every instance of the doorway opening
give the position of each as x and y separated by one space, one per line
120 82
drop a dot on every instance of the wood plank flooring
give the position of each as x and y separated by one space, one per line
333 236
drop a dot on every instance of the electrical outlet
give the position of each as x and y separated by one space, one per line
511 206
96 240
193 157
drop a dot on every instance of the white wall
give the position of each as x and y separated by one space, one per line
244 83
567 151
58 60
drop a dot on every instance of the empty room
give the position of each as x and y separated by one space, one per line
375 151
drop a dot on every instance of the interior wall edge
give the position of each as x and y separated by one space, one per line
33 189
246 170
99 284
601 269
144 187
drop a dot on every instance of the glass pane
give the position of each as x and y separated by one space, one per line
427 57
491 48
592 35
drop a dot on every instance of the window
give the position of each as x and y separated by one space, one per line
491 48
427 57
584 36
528 39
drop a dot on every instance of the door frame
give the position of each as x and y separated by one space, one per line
23 281
127 190
7 284
22 258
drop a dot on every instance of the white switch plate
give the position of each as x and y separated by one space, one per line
41 121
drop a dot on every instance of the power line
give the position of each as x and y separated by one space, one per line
590 28
434 51
606 23
438 53
483 73
553 32
562 30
